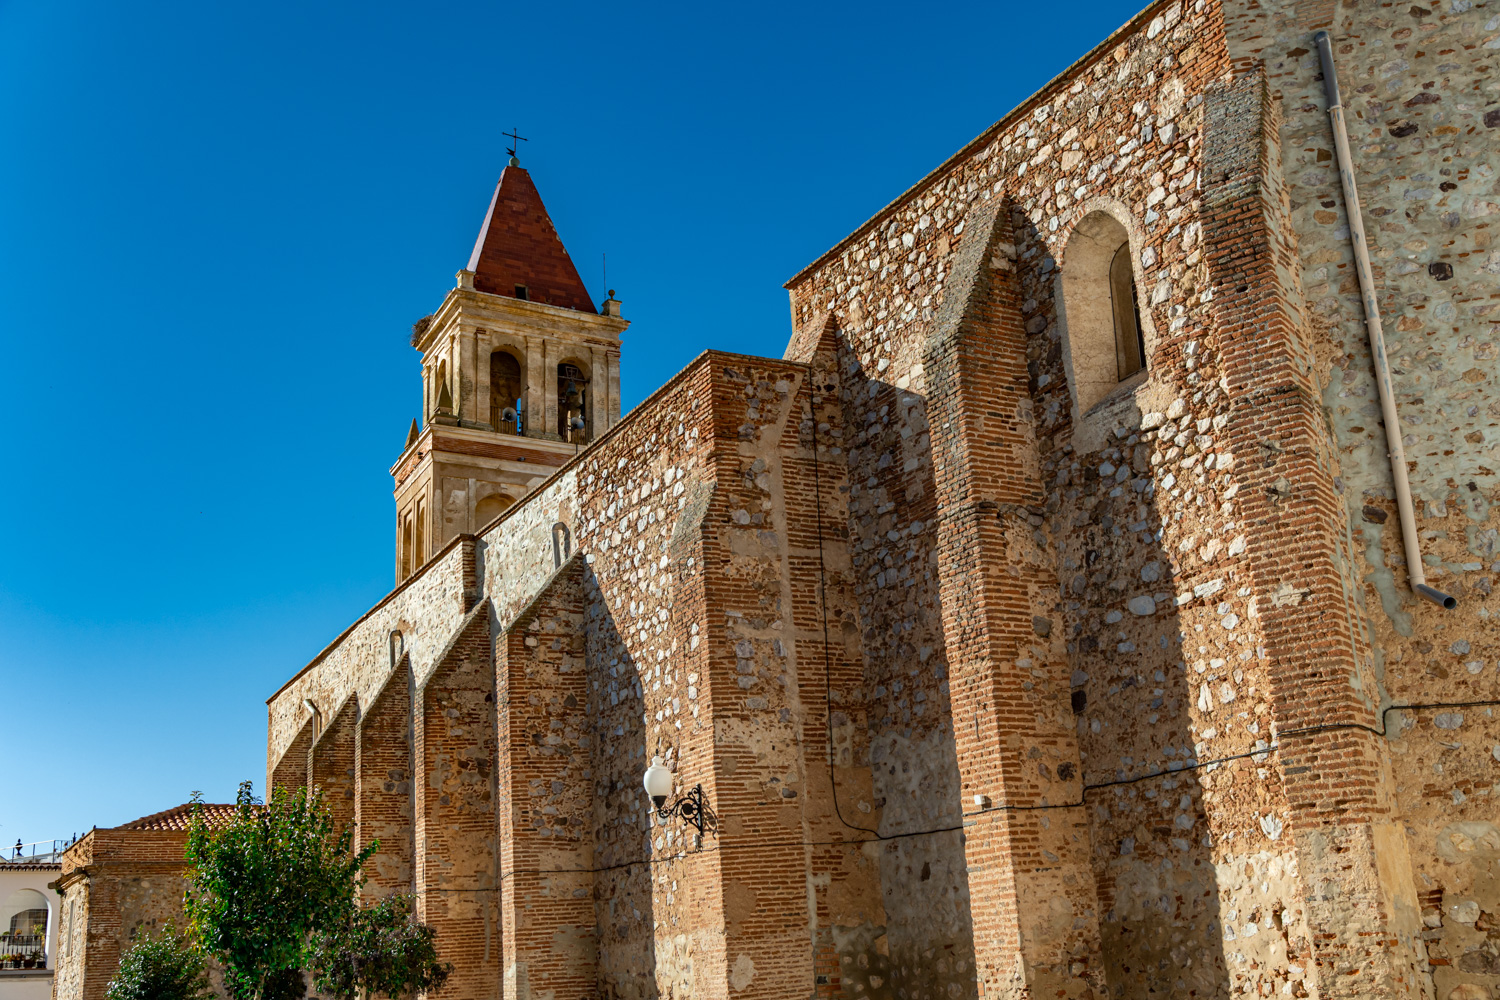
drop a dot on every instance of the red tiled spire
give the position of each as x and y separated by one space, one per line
518 245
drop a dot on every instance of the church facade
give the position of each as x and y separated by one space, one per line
1044 622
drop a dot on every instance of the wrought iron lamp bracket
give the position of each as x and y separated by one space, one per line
692 808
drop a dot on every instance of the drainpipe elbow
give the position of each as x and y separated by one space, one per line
1442 600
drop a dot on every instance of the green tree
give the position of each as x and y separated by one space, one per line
163 968
384 950
274 894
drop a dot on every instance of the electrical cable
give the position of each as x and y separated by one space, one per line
877 837
1261 752
823 608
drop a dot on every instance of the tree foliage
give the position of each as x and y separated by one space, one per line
274 894
384 950
163 968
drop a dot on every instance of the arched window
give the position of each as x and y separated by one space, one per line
1106 340
406 546
419 538
572 403
505 393
562 544
444 396
24 917
490 507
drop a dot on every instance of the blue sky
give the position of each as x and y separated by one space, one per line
218 223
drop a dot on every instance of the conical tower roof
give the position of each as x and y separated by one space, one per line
518 247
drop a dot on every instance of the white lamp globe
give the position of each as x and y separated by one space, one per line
658 781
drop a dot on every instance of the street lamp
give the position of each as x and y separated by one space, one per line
692 807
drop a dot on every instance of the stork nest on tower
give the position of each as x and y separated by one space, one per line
419 328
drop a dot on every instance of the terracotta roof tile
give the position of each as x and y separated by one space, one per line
181 817
518 245
29 866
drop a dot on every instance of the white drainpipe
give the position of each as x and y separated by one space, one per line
1415 571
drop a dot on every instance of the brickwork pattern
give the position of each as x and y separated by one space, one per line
115 886
454 847
1417 83
518 245
384 786
331 764
545 803
1040 933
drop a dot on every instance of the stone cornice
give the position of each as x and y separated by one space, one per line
427 443
520 317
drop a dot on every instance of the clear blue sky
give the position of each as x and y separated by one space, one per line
217 223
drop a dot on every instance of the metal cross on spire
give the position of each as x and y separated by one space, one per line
516 141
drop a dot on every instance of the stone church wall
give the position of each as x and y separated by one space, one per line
1165 508
1420 90
995 692
695 530
1115 549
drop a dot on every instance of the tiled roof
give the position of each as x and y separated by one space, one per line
181 817
28 866
518 245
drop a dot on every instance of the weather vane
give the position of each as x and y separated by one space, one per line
516 141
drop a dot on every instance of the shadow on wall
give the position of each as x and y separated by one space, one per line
1131 693
929 928
623 907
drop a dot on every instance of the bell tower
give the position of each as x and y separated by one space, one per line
519 372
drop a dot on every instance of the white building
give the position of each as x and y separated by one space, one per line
28 927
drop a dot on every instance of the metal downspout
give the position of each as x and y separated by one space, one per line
1415 570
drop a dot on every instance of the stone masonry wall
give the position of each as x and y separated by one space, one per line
122 884
1157 603
332 764
384 792
455 850
544 805
994 694
642 504
701 522
1420 90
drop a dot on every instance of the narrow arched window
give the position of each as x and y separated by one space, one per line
1130 342
406 546
443 401
572 403
419 538
562 544
505 393
1104 333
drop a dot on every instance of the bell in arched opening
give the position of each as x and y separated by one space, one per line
572 404
505 393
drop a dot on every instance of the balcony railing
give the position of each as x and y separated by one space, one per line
23 951
41 852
